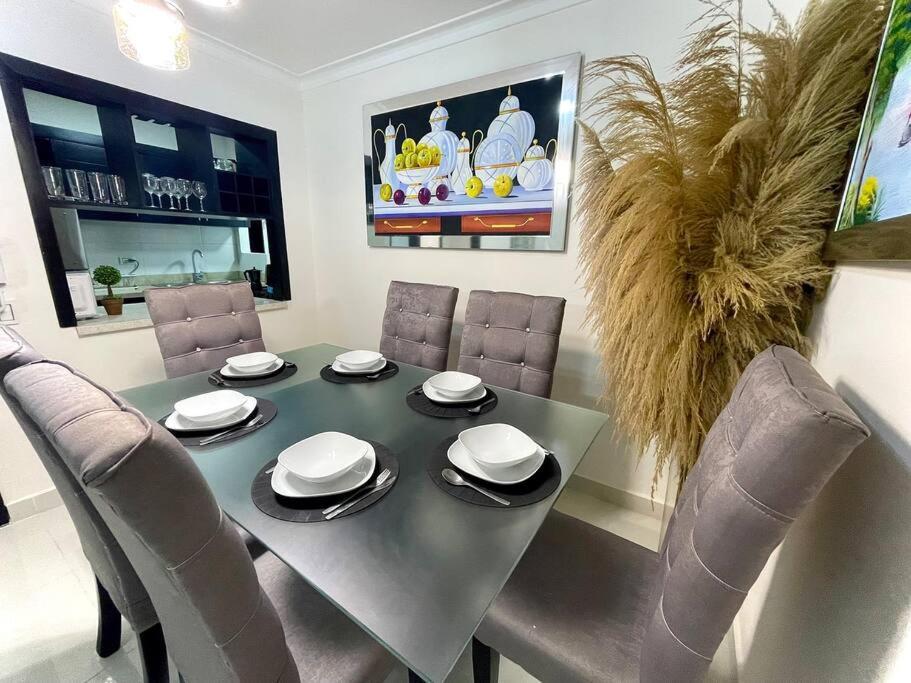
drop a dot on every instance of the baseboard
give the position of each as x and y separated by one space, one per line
32 505
624 499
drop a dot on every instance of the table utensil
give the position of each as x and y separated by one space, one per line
363 494
118 189
98 184
240 429
79 184
461 459
177 423
252 362
454 478
381 478
183 192
168 186
211 406
198 188
323 456
53 181
476 410
150 185
452 384
358 360
287 484
498 445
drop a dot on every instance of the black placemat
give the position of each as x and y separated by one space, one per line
264 407
311 509
330 375
538 487
284 372
417 400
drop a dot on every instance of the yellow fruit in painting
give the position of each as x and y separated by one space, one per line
408 146
411 160
474 186
399 162
502 185
436 155
386 192
424 158
421 146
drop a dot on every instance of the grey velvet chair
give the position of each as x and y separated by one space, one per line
585 605
417 323
120 592
510 340
199 326
224 617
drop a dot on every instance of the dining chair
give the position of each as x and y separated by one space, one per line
510 340
586 605
225 617
120 592
417 323
199 326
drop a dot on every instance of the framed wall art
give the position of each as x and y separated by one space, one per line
484 163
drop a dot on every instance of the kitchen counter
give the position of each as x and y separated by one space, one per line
136 316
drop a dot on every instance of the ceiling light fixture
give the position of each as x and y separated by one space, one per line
219 3
152 32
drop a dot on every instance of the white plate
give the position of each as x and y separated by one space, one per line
323 456
252 362
460 457
228 371
286 484
358 360
437 397
342 370
452 384
178 423
497 446
211 407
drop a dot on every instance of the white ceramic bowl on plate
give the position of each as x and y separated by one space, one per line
431 393
461 458
178 423
323 456
359 360
252 362
210 407
228 371
452 384
286 484
498 445
369 370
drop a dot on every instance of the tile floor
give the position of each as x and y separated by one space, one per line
48 605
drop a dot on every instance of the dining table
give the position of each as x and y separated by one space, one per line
418 569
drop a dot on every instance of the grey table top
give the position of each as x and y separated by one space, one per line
418 569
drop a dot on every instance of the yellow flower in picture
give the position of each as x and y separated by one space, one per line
868 193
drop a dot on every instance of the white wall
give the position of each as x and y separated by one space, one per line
73 37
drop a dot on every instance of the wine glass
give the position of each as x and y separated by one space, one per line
183 187
151 186
169 187
199 190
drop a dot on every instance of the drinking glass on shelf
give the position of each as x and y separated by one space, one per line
98 183
183 187
169 187
53 181
118 189
151 185
199 191
79 186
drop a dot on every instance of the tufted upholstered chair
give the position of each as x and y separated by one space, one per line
120 592
510 340
606 609
199 326
224 617
417 323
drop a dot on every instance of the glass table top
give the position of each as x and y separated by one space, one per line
418 569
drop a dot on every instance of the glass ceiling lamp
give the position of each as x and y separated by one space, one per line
152 33
219 3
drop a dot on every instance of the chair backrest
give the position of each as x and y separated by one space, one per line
218 623
417 323
510 340
771 450
199 326
110 565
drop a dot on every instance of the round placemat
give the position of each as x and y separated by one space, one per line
264 407
220 380
311 509
541 484
330 375
417 400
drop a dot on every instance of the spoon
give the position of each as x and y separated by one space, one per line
454 478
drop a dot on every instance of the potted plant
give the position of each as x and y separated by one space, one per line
109 276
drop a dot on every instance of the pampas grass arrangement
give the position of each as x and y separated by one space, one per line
705 203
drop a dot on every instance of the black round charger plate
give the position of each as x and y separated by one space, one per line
284 372
264 407
311 509
417 400
536 488
330 375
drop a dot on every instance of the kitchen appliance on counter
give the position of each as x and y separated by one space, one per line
82 292
254 277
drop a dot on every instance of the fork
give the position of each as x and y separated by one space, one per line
379 481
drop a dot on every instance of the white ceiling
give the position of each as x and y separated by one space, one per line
302 35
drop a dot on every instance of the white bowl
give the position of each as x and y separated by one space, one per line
369 370
452 384
359 360
498 445
286 484
323 456
252 362
461 457
210 407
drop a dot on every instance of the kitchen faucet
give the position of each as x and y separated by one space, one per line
198 275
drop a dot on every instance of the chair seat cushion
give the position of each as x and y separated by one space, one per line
576 607
326 645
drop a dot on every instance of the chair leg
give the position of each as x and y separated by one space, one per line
107 642
153 655
414 678
485 662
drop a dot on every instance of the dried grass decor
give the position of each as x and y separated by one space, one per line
705 202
